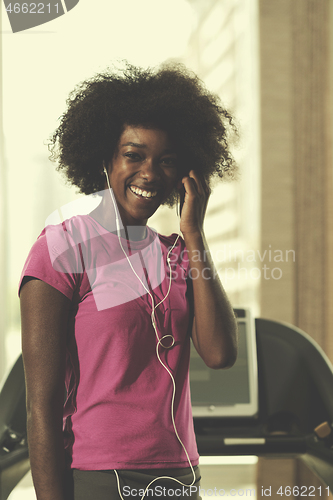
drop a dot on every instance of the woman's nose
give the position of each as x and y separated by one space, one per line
150 170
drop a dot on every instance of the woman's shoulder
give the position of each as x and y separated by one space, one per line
74 226
58 238
55 256
67 234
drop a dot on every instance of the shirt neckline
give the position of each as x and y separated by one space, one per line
151 235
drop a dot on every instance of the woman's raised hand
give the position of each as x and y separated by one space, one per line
194 194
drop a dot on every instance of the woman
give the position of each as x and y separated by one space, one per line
108 306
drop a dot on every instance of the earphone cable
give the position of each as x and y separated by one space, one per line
159 342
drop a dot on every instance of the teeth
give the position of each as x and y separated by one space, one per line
144 194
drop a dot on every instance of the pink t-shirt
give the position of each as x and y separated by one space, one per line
118 411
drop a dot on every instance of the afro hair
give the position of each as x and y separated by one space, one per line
170 98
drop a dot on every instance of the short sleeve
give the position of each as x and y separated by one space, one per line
54 259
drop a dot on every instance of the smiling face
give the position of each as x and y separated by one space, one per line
142 173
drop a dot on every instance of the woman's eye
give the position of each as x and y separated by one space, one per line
170 162
133 156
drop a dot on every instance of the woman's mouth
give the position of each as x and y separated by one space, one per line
146 194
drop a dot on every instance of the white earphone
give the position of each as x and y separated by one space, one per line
159 341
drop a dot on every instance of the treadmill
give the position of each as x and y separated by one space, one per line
277 401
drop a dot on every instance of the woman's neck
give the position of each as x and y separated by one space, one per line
132 233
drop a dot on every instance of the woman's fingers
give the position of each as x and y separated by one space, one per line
190 186
197 182
196 193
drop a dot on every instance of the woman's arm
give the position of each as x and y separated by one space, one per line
44 313
214 331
